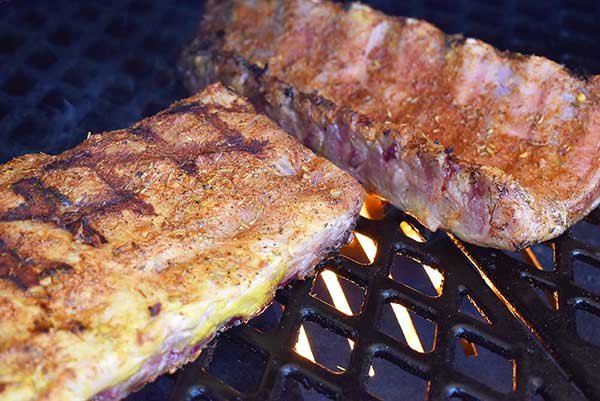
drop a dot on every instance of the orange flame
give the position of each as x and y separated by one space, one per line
303 346
368 245
408 327
436 278
373 208
411 232
533 260
340 302
361 249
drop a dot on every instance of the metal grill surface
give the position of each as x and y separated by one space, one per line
516 317
501 327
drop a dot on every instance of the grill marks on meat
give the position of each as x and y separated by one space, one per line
232 141
39 201
500 148
120 257
48 204
27 272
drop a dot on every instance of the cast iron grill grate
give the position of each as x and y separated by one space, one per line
558 362
528 321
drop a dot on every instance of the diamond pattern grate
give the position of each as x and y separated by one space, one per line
468 314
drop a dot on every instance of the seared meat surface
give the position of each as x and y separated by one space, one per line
121 257
502 149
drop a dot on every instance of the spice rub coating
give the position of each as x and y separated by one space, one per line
120 256
500 148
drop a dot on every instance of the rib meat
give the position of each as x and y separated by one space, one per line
121 257
501 149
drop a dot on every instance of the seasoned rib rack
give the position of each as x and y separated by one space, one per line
500 149
122 257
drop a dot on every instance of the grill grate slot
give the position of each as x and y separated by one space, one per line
475 328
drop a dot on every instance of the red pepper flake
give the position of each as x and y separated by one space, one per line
154 309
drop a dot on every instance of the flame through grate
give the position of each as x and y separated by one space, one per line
447 320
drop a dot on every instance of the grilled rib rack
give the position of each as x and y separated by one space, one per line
498 327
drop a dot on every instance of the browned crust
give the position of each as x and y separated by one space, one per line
111 248
192 351
502 202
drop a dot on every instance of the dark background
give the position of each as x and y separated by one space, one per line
69 67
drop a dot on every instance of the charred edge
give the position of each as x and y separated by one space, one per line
145 132
155 309
40 201
14 280
189 166
197 107
83 232
52 270
75 326
77 159
41 326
